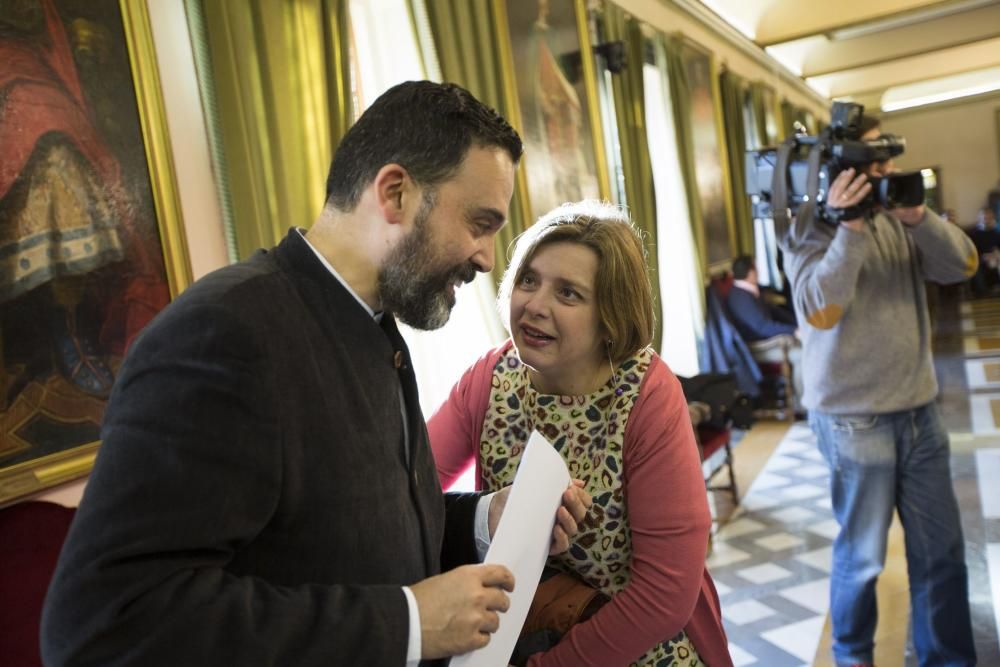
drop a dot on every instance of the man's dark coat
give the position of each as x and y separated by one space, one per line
252 503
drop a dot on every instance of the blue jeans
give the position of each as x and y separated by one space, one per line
878 463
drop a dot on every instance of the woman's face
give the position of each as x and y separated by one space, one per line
554 320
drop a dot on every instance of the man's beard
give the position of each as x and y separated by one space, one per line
411 284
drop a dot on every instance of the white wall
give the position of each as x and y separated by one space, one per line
961 139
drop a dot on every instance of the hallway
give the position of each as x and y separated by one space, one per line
771 556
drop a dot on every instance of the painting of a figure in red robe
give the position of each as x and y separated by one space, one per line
81 264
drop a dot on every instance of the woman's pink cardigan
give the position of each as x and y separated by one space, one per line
668 514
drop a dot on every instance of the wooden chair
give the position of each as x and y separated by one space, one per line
711 441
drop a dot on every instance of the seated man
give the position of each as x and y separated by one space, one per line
757 320
986 237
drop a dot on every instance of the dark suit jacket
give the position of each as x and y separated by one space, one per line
252 503
755 319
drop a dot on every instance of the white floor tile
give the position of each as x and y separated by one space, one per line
746 611
813 595
802 491
988 472
721 588
795 446
821 559
760 501
829 528
800 639
975 372
779 541
813 471
982 414
793 515
825 502
993 564
724 554
777 463
767 480
739 527
814 455
740 657
763 574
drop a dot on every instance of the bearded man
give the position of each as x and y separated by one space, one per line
265 494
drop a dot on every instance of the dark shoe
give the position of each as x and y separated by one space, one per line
76 358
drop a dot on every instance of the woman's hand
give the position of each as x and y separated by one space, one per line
575 503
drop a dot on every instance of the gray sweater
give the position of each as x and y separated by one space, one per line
863 307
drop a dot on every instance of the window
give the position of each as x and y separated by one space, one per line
680 283
386 52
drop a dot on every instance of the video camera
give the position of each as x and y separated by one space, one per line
803 167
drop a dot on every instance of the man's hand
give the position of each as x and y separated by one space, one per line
848 190
459 609
575 503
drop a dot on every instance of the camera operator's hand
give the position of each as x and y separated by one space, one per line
847 190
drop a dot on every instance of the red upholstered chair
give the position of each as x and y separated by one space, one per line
31 536
784 406
711 441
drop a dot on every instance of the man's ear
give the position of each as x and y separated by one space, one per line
392 186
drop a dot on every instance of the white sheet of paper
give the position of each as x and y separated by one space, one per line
522 543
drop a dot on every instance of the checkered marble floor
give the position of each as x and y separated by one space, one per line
771 562
980 326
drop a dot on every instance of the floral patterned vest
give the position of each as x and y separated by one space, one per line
589 432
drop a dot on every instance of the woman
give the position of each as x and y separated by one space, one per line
579 369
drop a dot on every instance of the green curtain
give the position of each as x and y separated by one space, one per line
762 98
282 84
467 43
630 109
733 92
789 114
680 102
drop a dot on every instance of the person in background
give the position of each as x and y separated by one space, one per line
265 492
993 201
578 368
756 319
870 388
986 238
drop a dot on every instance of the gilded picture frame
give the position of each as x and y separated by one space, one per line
550 85
103 136
711 158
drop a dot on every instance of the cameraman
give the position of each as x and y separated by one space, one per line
870 389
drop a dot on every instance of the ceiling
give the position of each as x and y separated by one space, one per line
885 54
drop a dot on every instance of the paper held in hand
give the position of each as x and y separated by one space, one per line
522 542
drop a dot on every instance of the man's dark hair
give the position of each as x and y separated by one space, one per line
742 266
868 123
425 127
